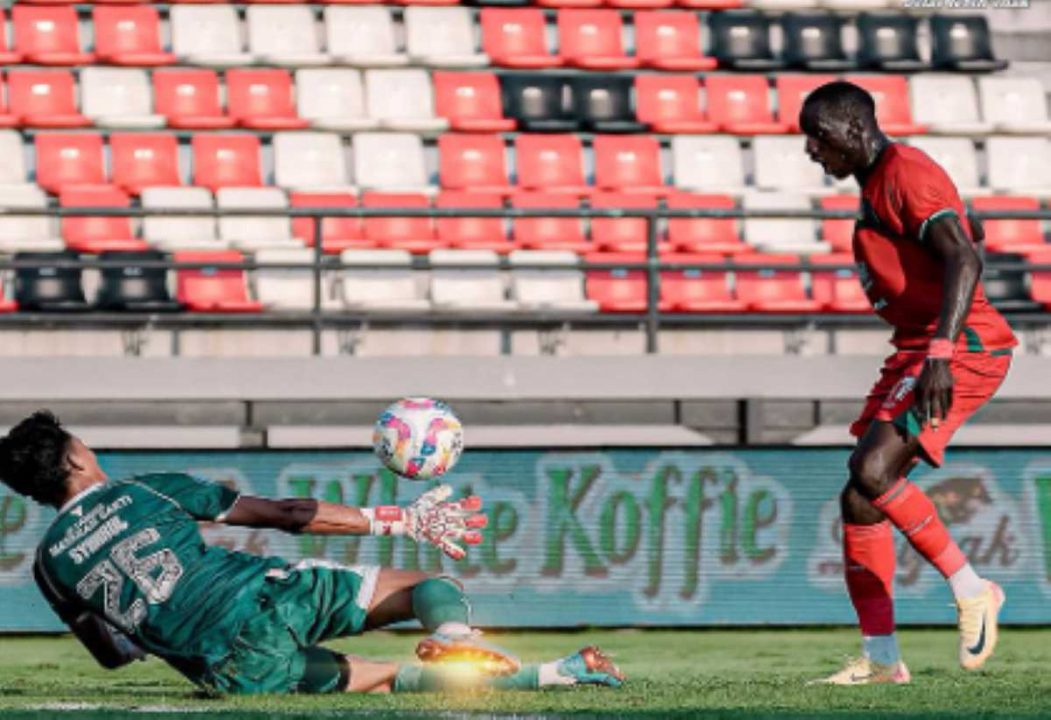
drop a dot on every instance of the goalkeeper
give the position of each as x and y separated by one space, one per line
125 567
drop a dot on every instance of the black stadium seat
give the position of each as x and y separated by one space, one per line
741 40
963 43
603 103
887 41
814 41
538 103
1008 290
133 288
48 288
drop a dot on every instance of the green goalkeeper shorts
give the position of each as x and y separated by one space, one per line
276 650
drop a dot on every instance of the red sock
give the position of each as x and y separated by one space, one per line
914 514
868 564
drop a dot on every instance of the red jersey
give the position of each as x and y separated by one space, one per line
903 279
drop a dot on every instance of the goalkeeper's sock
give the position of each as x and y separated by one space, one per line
436 678
868 565
914 514
440 602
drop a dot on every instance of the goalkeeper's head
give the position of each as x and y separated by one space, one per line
839 119
40 459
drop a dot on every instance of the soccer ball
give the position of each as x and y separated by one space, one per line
419 438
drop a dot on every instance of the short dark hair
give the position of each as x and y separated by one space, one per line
841 99
33 458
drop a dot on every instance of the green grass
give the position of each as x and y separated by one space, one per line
681 674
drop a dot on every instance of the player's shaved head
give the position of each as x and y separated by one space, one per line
837 102
839 119
33 458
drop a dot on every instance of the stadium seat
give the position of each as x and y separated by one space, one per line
696 290
142 160
893 109
262 99
362 36
13 169
740 40
593 39
180 232
415 234
550 163
1019 165
442 37
118 98
537 104
381 281
888 42
740 105
402 99
963 43
559 288
813 41
859 5
778 6
226 161
47 288
704 235
332 99
1039 280
129 35
470 101
311 161
391 162
773 290
64 160
671 104
629 164
670 41
8 56
472 233
621 234
1008 288
468 290
782 164
285 35
254 232
796 236
792 90
337 233
473 162
838 291
947 105
212 289
48 35
208 35
548 233
959 159
708 164
27 233
616 290
839 233
132 287
1011 235
287 288
44 98
7 118
516 37
1014 105
93 235
602 103
190 99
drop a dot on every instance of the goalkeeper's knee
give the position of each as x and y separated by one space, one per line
439 600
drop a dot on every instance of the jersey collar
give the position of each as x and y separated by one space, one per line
79 496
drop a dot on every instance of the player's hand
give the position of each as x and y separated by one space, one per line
934 392
446 525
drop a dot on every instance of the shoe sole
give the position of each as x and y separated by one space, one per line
491 662
992 632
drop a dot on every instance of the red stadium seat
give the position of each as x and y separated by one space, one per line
129 36
1011 236
470 101
94 235
704 235
472 233
7 55
44 98
593 39
473 162
619 290
697 291
792 91
226 161
670 41
740 104
142 160
415 234
838 290
211 289
262 99
190 99
65 160
839 233
628 163
515 37
671 104
891 93
548 233
621 235
550 163
48 35
774 290
337 233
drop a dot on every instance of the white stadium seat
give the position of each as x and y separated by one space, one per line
286 35
781 163
707 163
311 161
362 36
208 35
180 232
13 168
27 233
558 288
946 104
859 5
442 37
332 99
289 289
1020 165
781 235
392 162
958 157
118 98
402 100
381 280
254 232
468 290
1014 105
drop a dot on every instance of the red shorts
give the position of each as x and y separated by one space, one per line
976 377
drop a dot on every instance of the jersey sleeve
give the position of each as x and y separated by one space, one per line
923 193
201 499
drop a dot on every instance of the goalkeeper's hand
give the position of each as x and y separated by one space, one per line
433 519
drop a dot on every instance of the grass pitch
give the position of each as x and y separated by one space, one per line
672 674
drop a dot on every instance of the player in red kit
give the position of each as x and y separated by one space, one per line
919 265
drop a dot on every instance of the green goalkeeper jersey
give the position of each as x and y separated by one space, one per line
130 552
